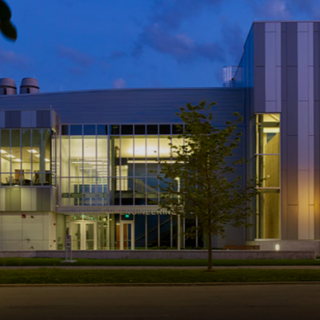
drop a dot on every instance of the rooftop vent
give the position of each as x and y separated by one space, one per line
29 85
228 75
7 87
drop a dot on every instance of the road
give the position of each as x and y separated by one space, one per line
147 303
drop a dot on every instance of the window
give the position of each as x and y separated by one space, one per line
267 163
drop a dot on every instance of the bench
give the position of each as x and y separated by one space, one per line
241 247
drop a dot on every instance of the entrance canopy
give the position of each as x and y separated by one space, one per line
103 210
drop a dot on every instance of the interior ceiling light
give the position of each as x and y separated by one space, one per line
3 151
37 155
32 151
46 160
17 160
10 156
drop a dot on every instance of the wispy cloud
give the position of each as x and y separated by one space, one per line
16 60
119 83
170 14
79 58
163 35
81 61
284 9
179 45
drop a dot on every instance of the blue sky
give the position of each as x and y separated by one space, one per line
100 44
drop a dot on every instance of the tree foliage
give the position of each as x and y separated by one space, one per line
6 27
201 180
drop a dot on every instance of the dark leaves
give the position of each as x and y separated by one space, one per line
5 12
8 30
6 27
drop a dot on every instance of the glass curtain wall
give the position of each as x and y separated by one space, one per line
115 164
26 157
267 160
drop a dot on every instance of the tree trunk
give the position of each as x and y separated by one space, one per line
209 251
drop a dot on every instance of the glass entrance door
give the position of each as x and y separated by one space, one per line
84 235
127 235
76 233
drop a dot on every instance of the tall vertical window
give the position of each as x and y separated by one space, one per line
267 159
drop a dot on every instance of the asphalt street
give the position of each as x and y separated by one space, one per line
191 302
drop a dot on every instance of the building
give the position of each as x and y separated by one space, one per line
79 162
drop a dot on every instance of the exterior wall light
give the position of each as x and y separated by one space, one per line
277 247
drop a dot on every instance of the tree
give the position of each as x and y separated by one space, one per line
6 27
201 179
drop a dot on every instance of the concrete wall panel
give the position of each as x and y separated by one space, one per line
292 170
292 228
292 102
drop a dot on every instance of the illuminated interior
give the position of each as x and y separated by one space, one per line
26 157
268 172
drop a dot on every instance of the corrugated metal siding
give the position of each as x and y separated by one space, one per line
128 105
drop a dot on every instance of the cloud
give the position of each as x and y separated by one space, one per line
119 83
170 14
81 59
179 45
271 9
163 35
14 59
284 9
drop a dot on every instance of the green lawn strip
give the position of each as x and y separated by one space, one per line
60 276
151 262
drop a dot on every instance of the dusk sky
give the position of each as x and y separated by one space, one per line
102 44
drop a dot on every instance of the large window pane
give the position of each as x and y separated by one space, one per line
127 156
152 191
269 214
65 193
37 157
102 160
101 194
65 155
89 191
268 170
268 134
47 149
140 156
16 154
140 191
126 191
90 161
5 151
152 155
114 156
76 165
26 145
115 191
76 190
164 147
152 233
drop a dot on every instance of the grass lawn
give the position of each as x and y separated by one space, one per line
59 276
150 262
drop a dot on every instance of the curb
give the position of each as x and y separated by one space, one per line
197 284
